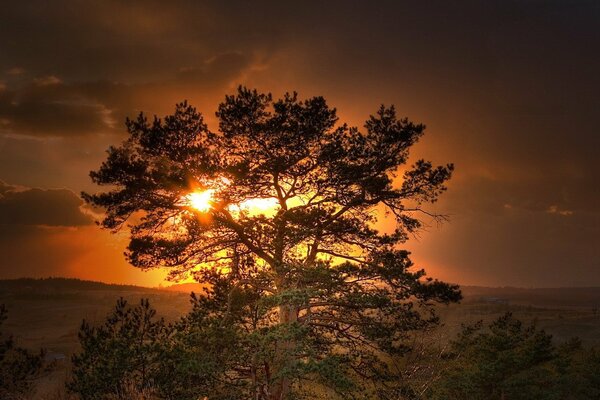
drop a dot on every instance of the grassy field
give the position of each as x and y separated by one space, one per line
563 312
47 313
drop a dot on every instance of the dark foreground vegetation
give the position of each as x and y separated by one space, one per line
18 366
505 359
136 353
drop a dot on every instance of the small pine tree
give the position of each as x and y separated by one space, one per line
18 366
507 360
121 355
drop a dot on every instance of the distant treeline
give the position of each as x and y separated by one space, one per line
58 284
588 297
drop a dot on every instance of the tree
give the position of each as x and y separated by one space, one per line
120 356
309 289
134 354
506 360
18 366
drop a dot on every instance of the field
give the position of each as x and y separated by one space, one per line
563 312
47 313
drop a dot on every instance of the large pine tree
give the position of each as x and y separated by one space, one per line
305 293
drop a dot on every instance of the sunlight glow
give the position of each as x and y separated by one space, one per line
201 201
258 205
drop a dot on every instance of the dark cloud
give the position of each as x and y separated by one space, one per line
49 107
45 233
31 206
125 41
52 162
52 110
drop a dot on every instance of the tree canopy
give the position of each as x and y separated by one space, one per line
308 290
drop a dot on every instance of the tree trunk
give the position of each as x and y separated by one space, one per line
280 390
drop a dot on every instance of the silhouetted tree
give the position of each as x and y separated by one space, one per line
309 291
18 366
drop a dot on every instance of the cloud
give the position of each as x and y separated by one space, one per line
51 107
15 71
45 233
553 209
47 80
32 206
215 70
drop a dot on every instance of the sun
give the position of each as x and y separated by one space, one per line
201 200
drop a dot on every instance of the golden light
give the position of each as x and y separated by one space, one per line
259 206
201 200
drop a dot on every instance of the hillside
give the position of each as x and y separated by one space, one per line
48 312
563 312
568 297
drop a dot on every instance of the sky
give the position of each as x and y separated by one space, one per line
509 91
